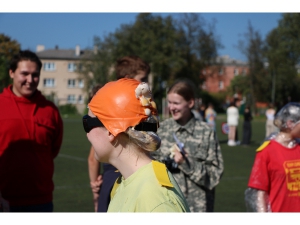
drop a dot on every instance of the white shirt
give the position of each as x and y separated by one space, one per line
232 116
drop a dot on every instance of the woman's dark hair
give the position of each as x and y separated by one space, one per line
184 88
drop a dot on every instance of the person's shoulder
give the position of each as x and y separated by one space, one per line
202 124
165 122
265 146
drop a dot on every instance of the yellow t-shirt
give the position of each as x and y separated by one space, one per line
147 191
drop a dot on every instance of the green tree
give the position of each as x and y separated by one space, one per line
8 48
283 54
174 48
258 81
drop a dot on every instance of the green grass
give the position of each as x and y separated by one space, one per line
73 194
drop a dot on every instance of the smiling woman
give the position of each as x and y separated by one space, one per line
199 166
121 125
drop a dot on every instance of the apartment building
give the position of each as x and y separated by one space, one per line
219 76
58 77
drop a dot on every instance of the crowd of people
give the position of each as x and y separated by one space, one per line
148 165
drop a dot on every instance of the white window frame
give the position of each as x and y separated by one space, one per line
71 67
81 83
221 85
236 72
71 83
71 99
49 66
49 82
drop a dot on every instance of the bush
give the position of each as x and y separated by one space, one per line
217 99
68 109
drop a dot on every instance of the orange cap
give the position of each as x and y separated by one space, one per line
123 103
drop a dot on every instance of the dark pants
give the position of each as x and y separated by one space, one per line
246 133
47 207
236 134
109 177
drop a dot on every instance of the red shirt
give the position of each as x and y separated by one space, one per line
30 135
276 170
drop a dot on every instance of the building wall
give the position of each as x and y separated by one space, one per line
219 78
61 87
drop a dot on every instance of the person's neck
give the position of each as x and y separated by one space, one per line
128 162
285 139
184 121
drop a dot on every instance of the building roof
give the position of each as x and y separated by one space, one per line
69 54
226 60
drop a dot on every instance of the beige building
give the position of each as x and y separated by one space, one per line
58 77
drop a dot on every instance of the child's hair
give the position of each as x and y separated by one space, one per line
130 66
94 91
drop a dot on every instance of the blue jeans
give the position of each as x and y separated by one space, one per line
47 207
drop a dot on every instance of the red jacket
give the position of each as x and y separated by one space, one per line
30 138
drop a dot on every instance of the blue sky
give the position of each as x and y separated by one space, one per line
70 29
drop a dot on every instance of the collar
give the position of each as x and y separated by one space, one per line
189 126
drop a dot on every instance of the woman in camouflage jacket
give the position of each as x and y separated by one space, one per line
199 167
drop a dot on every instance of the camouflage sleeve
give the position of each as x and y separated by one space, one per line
206 163
163 151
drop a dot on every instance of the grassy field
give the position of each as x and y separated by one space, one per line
73 194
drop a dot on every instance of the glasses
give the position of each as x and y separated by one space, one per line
90 122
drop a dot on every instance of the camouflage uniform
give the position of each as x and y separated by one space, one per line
204 154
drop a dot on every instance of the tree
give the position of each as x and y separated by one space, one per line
283 54
8 48
173 48
253 46
95 65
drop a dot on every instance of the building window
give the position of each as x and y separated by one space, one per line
80 99
221 71
71 83
236 72
49 82
221 85
49 66
204 85
71 99
71 67
80 83
244 72
203 72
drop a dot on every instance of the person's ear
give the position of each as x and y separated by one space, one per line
191 103
111 137
11 74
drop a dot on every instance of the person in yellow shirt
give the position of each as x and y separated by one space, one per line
121 125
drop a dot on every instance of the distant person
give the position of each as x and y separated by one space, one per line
101 184
232 113
198 165
210 116
274 180
94 166
270 114
247 129
124 138
31 136
202 111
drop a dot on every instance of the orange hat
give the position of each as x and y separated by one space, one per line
123 103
